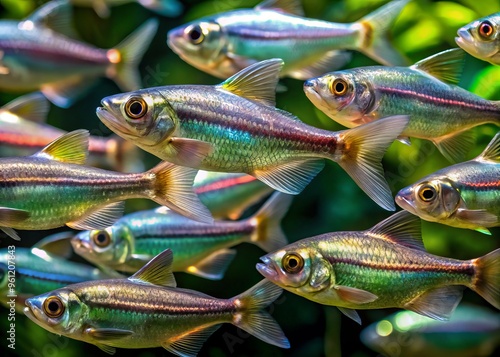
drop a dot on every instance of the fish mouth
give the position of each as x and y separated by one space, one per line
464 39
33 312
405 204
80 246
267 269
105 114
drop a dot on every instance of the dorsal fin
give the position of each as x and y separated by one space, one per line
293 7
256 82
402 228
33 107
71 148
158 271
492 151
55 15
447 66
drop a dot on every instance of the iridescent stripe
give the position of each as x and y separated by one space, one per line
54 277
225 183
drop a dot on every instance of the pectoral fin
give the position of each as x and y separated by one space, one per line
354 295
105 334
190 343
479 217
189 151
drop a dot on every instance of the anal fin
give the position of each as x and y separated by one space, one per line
438 303
214 266
456 147
100 219
331 61
190 343
12 217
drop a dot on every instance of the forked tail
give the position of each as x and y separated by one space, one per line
487 278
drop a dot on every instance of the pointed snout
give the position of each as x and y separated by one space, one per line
404 199
266 268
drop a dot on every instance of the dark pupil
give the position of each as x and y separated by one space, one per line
292 263
339 87
428 194
486 28
195 34
101 238
136 108
53 306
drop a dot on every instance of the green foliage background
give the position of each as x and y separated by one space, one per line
332 202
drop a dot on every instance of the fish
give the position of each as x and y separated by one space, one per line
228 195
234 127
481 39
382 267
200 249
53 188
472 331
170 8
225 43
439 110
464 195
147 310
36 54
38 272
24 131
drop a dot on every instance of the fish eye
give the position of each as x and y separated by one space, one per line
136 107
486 29
196 35
292 263
53 307
101 239
427 193
338 86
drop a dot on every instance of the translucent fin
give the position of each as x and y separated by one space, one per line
483 230
268 233
455 148
331 61
57 244
487 278
447 66
438 303
189 151
350 313
10 232
56 15
190 343
130 52
354 295
33 107
479 217
105 334
170 8
404 140
256 82
108 349
65 92
101 8
173 187
367 145
214 266
291 177
492 151
158 271
100 219
293 7
374 40
256 322
402 228
12 217
71 148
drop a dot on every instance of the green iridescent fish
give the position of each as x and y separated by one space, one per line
53 188
383 267
146 310
225 43
200 249
465 195
234 127
481 38
439 112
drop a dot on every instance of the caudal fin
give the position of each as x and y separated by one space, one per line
251 318
173 187
374 40
487 277
365 146
268 233
127 55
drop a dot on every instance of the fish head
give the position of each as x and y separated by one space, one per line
481 38
144 116
59 311
203 44
342 96
109 246
432 199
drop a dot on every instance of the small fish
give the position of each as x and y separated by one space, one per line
200 249
169 8
465 195
228 195
226 43
438 111
481 38
383 267
147 310
35 54
471 332
38 272
23 132
234 127
53 188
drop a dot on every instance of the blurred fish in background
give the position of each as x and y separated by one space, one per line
170 8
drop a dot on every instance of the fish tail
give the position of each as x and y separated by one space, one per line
374 40
486 281
126 56
173 187
268 233
361 154
169 8
251 318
